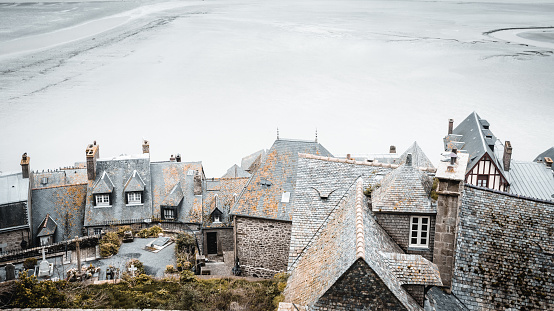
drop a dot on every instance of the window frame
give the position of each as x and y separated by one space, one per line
419 231
134 194
95 230
102 202
484 178
169 210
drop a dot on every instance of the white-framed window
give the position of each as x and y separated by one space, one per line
419 231
217 218
134 198
102 200
97 231
169 213
45 240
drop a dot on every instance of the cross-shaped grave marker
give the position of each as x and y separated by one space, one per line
132 268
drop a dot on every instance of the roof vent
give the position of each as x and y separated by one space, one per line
44 180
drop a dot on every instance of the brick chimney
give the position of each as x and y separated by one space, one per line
449 191
145 146
392 149
178 157
507 155
450 126
25 165
348 157
172 158
197 184
92 152
548 161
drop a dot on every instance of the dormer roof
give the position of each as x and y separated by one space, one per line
134 183
174 197
47 227
104 185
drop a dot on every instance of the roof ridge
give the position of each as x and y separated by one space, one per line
360 239
338 160
509 194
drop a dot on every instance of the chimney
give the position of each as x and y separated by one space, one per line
449 190
409 159
197 184
507 155
548 162
172 158
92 152
450 126
25 165
145 146
453 156
392 149
178 157
348 156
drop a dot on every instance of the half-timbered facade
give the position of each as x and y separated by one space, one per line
486 173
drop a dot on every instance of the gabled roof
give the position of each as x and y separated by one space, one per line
547 153
348 235
236 171
47 227
103 185
321 184
262 196
419 159
405 189
57 178
248 160
174 197
134 183
166 176
471 135
227 191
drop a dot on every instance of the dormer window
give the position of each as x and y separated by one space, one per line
102 200
134 198
169 213
217 216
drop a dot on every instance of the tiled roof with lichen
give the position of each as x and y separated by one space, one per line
348 234
221 193
62 177
406 189
419 158
321 184
504 251
262 196
236 171
47 227
168 175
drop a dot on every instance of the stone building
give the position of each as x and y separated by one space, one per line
58 204
263 211
15 208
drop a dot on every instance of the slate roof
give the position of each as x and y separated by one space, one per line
262 196
351 233
321 184
166 176
471 136
13 188
406 190
58 178
247 161
47 227
113 174
547 153
134 183
531 179
14 194
438 300
227 190
236 171
504 251
419 158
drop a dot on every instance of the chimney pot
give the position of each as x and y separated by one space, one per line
507 158
453 156
450 126
348 156
392 149
178 157
25 165
145 146
92 153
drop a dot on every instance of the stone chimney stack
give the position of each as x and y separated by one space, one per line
507 155
392 149
348 157
449 190
450 126
25 165
145 146
93 153
178 157
197 184
548 161
172 158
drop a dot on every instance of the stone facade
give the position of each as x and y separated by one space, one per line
12 240
417 292
225 241
262 243
360 288
504 252
398 227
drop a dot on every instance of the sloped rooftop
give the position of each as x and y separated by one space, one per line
236 171
13 188
419 158
264 193
531 179
349 234
47 227
227 191
59 178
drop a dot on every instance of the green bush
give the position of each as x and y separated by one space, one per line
169 269
30 293
111 237
108 249
150 232
30 263
187 276
121 230
185 242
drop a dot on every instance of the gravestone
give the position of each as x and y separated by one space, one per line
10 272
44 267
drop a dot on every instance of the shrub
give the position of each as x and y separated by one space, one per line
370 189
29 263
434 194
108 249
121 230
111 237
187 276
30 293
150 232
185 242
169 269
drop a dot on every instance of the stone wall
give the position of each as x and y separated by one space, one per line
504 252
417 292
398 227
262 243
12 240
360 288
